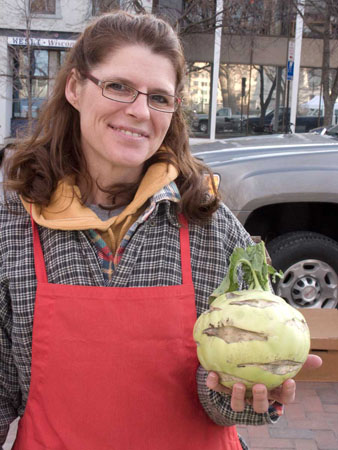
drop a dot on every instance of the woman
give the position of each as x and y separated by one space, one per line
95 245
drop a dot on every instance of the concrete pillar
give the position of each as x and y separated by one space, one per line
215 71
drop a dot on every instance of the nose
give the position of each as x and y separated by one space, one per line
139 108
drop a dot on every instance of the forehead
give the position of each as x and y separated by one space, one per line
140 66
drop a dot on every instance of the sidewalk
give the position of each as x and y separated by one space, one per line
310 423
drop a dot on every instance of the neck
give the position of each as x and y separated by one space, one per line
115 177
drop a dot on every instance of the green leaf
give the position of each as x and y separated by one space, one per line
230 282
255 271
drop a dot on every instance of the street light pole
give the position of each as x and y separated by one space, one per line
298 52
215 71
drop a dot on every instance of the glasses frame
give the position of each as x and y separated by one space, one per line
101 84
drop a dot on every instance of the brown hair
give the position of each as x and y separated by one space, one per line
53 151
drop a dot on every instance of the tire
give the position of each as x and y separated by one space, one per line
203 127
309 262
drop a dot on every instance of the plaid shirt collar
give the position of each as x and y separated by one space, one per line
169 192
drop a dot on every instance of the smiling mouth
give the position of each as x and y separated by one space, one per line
128 132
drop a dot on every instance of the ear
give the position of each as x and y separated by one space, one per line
72 89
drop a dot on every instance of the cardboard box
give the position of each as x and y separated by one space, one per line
323 324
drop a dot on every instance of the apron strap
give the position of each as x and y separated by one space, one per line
39 261
185 250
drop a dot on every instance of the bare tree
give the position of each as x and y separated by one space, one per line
264 101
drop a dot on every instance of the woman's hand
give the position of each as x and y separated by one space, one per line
261 398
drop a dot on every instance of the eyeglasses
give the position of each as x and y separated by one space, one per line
118 92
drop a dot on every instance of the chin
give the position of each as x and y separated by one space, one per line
138 161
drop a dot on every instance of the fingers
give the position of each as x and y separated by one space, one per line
313 362
260 402
286 393
238 402
260 396
212 382
237 392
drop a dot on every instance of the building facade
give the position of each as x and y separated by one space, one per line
35 35
34 38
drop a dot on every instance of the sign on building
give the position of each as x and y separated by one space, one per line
41 42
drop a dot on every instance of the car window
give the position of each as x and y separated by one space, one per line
223 112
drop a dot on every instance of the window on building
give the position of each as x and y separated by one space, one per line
43 6
62 56
30 82
102 6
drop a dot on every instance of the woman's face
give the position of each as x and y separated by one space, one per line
117 138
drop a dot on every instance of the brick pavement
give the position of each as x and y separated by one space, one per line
310 423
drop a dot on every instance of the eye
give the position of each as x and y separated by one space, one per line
116 87
160 99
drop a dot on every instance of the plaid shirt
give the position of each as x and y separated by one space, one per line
151 258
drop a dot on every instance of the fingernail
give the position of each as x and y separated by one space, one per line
291 384
212 375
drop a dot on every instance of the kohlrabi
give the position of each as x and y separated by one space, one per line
251 336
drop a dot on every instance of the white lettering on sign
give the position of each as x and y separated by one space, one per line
41 42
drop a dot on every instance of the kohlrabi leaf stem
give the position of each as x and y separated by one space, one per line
254 282
255 270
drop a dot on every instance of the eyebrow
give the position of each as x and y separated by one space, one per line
131 84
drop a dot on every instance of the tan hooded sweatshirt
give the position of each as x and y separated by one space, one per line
66 212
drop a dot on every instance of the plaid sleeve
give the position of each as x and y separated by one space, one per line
9 390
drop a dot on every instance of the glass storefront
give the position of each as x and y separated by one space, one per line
34 72
32 79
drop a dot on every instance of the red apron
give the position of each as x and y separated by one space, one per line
114 368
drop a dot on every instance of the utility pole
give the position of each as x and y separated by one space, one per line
298 53
215 71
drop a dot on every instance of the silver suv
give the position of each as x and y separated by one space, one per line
284 188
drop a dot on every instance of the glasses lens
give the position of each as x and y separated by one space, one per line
122 93
162 102
118 91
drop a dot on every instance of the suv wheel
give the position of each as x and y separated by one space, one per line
310 265
203 127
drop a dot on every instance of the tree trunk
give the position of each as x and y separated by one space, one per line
224 87
264 103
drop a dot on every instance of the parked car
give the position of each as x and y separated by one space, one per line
254 124
284 188
224 121
303 123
